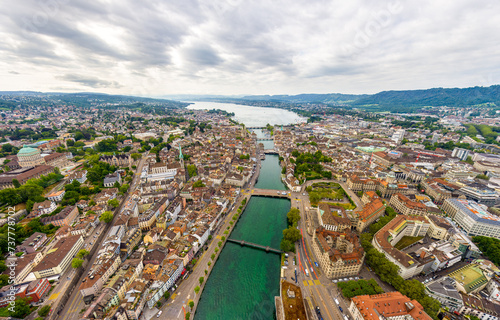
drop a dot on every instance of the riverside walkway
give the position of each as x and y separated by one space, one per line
254 245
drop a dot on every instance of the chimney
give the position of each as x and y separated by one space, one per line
183 202
422 254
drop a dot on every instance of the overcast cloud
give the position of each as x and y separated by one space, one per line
247 47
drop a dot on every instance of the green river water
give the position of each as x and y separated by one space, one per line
244 281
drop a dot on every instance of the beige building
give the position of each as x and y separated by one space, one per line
58 259
371 212
387 237
339 253
439 227
56 159
404 205
29 157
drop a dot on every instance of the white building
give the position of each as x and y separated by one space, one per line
473 218
460 153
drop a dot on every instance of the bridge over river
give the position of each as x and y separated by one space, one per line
271 193
254 245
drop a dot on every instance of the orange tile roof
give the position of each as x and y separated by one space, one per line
371 208
389 304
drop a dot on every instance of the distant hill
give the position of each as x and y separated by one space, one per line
308 98
452 97
11 99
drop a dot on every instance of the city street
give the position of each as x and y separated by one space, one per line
75 303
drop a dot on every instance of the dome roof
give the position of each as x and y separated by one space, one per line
25 151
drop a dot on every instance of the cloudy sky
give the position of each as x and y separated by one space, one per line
247 47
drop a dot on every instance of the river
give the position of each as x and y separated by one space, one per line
245 280
252 116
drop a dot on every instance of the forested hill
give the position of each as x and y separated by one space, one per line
452 97
13 99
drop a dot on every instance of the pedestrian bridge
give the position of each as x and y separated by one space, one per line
254 245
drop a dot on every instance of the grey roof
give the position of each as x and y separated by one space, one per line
445 287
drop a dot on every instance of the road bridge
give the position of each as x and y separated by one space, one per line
271 193
254 245
270 151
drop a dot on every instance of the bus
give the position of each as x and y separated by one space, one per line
307 272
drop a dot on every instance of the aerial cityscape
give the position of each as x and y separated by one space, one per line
229 160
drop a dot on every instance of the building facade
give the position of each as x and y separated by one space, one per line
339 254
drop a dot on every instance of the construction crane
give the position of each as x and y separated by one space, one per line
429 154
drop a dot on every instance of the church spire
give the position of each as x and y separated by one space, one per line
181 156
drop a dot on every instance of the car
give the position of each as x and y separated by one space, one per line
303 194
277 192
345 279
159 314
340 308
356 278
316 264
351 278
334 281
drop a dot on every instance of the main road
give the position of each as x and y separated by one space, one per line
74 305
318 290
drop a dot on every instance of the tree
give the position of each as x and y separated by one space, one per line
293 216
191 304
212 256
16 183
44 311
76 263
198 184
286 245
196 289
192 171
4 280
479 176
166 295
82 253
21 308
107 217
292 234
136 156
188 315
113 203
124 187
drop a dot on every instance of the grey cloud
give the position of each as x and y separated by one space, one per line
202 56
91 82
13 72
231 45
